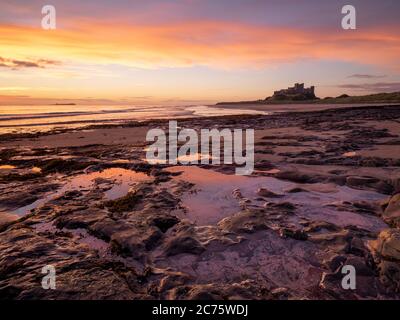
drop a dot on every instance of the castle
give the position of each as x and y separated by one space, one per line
298 89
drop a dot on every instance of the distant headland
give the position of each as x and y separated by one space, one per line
299 94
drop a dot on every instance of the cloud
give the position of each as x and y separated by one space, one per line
19 99
14 88
373 87
16 64
137 98
366 76
217 44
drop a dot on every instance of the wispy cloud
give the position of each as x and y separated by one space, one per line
16 99
16 64
373 87
195 49
366 76
209 43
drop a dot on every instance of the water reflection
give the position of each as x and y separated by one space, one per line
118 181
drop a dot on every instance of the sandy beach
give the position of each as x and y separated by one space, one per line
324 193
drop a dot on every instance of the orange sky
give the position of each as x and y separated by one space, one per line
90 59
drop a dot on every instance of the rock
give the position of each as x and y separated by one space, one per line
6 219
73 217
386 253
247 289
361 265
392 211
369 183
317 226
23 194
237 194
126 203
205 293
389 275
366 282
81 274
293 233
296 190
128 237
263 192
335 262
299 177
134 243
355 181
339 239
165 223
183 243
64 166
285 206
248 221
396 185
71 195
365 207
331 284
96 244
280 293
357 247
171 281
387 246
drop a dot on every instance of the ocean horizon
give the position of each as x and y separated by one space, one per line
31 118
42 118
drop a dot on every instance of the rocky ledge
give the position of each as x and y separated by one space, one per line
325 194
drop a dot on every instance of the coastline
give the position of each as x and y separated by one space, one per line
319 197
271 111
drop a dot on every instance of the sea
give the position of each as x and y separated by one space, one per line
34 118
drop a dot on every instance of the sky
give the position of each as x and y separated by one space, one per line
194 51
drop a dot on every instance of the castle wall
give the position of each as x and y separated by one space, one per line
297 89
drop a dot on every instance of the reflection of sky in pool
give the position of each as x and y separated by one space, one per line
121 180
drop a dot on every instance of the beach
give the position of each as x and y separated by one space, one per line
323 194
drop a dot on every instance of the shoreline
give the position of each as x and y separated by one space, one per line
303 107
120 123
324 193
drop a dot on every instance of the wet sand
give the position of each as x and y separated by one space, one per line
324 193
